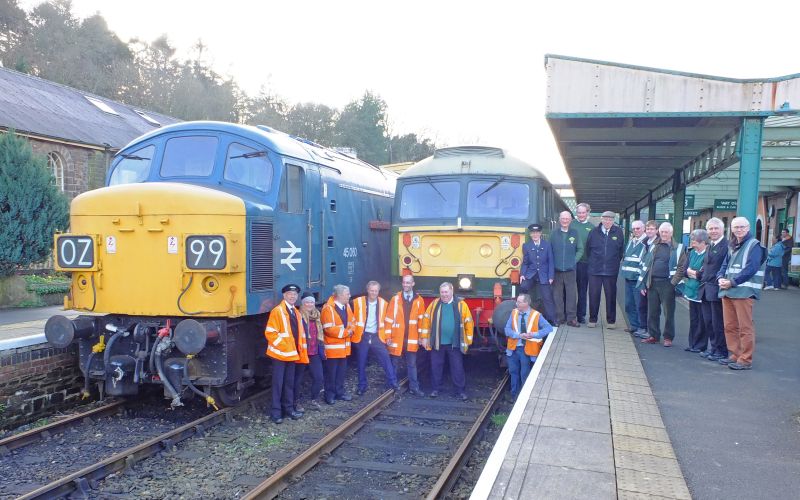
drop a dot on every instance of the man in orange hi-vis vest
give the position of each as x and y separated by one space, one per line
338 324
371 336
403 317
526 330
286 345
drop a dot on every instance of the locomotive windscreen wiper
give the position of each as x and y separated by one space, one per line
434 188
494 185
252 154
133 157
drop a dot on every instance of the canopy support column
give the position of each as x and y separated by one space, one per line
651 207
678 200
749 168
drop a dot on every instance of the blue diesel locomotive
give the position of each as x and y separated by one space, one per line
182 255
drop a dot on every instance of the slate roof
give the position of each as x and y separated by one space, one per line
32 105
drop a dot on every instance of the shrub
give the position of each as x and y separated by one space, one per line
31 206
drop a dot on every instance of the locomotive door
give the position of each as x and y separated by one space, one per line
315 225
292 234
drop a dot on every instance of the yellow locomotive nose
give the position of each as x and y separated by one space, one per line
156 249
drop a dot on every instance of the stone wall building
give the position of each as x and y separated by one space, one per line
78 132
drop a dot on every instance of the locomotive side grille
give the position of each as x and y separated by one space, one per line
469 151
261 257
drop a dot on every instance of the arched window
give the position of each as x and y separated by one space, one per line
56 164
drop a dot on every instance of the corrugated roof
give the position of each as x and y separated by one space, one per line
36 106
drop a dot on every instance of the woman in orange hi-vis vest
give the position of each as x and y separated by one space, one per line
526 330
338 324
286 345
371 336
403 317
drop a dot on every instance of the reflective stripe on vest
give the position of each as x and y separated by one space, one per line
532 346
751 287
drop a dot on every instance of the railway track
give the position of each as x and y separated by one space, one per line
439 434
31 436
81 482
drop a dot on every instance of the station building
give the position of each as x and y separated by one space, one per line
77 131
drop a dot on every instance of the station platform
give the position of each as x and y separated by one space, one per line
604 416
586 425
25 327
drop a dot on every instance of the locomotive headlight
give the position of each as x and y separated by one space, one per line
485 250
465 281
435 250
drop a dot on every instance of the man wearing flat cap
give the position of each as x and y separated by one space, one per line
538 270
286 346
605 247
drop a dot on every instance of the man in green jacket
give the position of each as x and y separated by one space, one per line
567 251
582 225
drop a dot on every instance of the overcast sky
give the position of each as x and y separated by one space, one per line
458 71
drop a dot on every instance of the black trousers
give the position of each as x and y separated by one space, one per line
642 311
661 295
608 284
282 388
712 311
582 281
545 293
335 370
698 333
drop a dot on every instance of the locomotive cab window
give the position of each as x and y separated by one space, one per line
498 199
248 166
189 156
430 200
134 166
291 195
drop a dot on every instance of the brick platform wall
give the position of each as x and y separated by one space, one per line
36 381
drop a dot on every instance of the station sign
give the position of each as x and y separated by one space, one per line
691 213
688 201
726 204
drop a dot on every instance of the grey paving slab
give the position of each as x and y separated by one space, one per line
502 482
581 373
631 495
579 416
574 449
555 483
615 376
587 358
579 392
623 386
637 418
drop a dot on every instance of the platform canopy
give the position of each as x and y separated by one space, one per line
631 136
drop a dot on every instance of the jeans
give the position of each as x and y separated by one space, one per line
455 358
314 366
411 368
661 294
632 298
774 276
370 343
519 367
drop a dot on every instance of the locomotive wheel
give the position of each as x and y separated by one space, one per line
227 395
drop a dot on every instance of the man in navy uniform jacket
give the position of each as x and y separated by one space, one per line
538 270
605 247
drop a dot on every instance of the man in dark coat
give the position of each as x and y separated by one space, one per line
709 290
605 247
538 270
786 239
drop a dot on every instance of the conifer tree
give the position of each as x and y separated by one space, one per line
31 206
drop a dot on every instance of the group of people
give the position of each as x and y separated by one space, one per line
778 259
720 278
579 258
300 338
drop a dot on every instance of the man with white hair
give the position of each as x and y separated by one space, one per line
717 349
740 279
658 268
567 251
631 262
583 226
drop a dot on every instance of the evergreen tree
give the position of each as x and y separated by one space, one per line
362 125
31 206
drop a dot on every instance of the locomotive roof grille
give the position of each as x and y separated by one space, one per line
469 151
